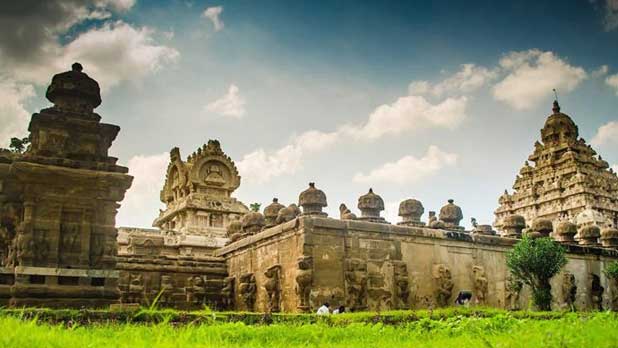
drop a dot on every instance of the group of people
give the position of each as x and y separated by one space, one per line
325 309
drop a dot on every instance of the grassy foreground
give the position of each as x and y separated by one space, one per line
501 330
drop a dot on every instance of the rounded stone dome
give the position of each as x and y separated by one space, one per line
411 208
590 232
272 210
74 89
559 127
312 197
370 201
514 221
234 227
609 233
253 220
565 228
451 213
543 226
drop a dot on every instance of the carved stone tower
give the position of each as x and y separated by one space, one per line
566 177
197 194
59 201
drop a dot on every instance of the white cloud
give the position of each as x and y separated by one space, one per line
612 81
531 76
601 71
13 116
213 14
605 134
615 168
260 166
409 169
142 199
411 113
468 79
232 104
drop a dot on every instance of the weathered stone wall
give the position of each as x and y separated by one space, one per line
376 266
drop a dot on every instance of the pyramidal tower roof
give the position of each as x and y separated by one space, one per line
562 177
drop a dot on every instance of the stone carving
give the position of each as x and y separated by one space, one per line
411 211
513 291
195 291
356 283
513 225
136 288
234 230
253 223
345 213
480 285
565 178
569 291
167 290
589 235
312 200
433 221
609 237
288 213
541 228
444 284
304 278
228 292
402 285
565 232
271 212
451 215
596 292
247 290
370 206
272 285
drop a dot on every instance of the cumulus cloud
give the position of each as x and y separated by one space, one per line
411 113
232 104
260 166
409 169
142 199
13 115
601 71
607 133
213 13
531 75
612 81
468 79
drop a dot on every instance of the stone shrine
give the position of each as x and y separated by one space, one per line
59 201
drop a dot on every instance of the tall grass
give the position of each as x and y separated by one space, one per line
597 330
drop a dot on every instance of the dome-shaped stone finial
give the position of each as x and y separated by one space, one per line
411 211
312 200
370 206
513 225
589 235
541 228
609 237
271 212
253 222
565 232
451 215
74 91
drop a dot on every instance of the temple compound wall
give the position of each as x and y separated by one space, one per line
298 265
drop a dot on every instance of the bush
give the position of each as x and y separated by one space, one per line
611 271
535 262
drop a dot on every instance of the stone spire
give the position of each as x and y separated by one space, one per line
370 206
312 200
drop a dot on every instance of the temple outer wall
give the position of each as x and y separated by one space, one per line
370 266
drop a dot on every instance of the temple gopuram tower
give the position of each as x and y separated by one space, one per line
59 201
562 177
197 194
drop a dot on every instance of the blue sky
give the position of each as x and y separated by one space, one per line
431 100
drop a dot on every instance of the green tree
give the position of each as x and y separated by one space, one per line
611 271
534 262
255 206
18 145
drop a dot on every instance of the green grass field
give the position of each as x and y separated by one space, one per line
496 329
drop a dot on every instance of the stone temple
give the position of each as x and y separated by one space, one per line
59 244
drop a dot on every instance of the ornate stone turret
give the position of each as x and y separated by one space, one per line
58 203
370 206
589 235
513 226
609 237
541 228
197 194
565 232
271 212
312 200
253 222
451 215
566 177
411 211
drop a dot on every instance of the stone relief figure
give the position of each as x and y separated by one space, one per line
433 221
195 291
613 301
356 283
444 283
272 285
136 288
345 213
214 175
596 292
569 291
288 213
167 290
402 285
247 289
228 293
480 285
513 290
304 278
